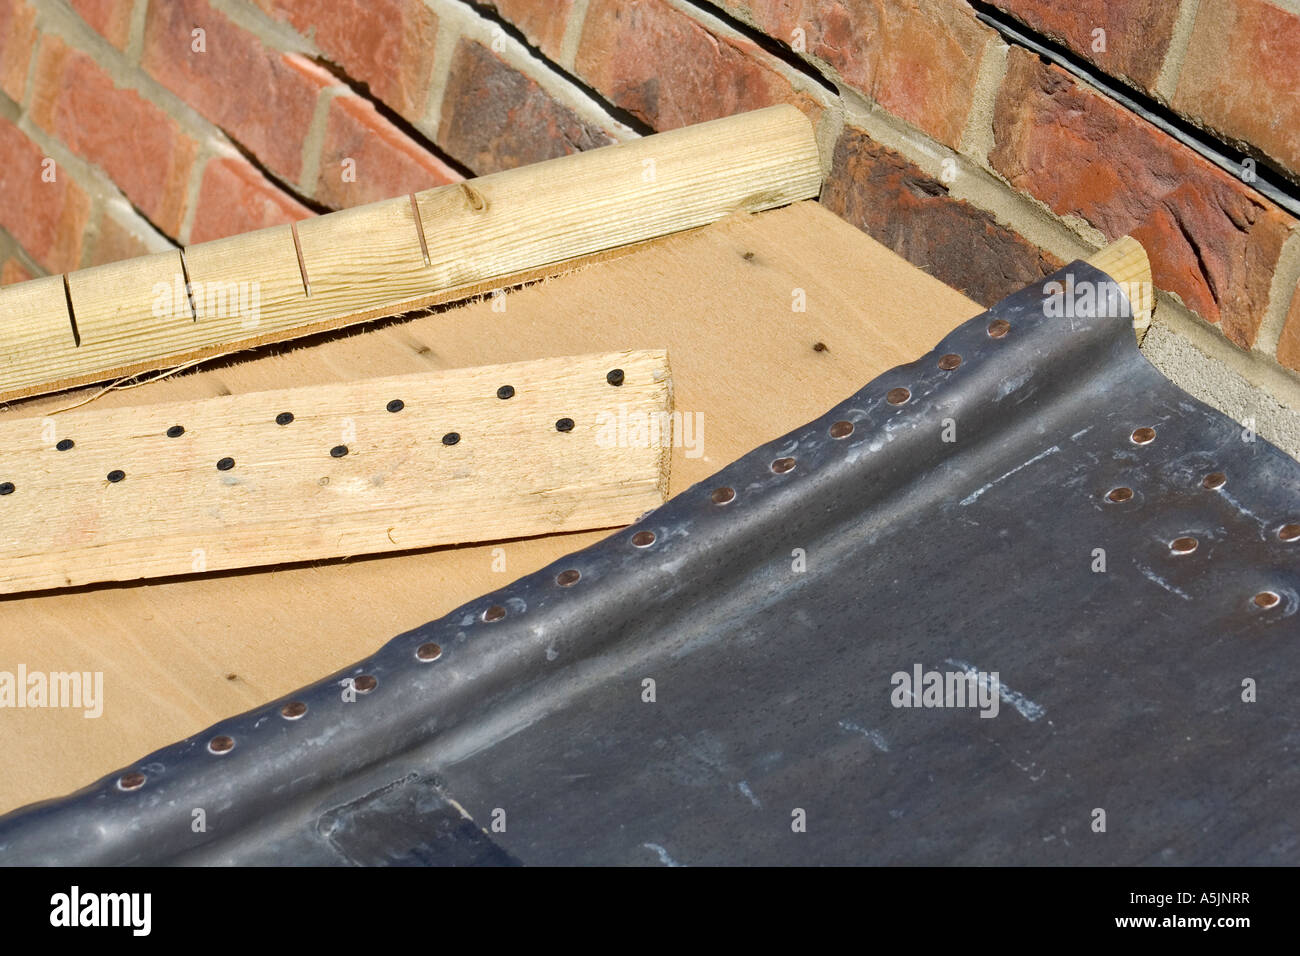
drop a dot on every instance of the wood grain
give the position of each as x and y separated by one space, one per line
210 485
1125 261
368 262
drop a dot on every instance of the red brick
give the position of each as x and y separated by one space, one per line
542 22
48 219
665 68
386 44
1136 39
1211 240
141 148
1241 76
919 59
901 207
17 40
386 162
1288 346
115 242
13 271
263 99
110 18
494 117
235 198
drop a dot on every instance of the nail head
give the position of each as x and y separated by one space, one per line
841 429
1266 599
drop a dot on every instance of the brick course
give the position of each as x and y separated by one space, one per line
1211 239
263 99
47 218
668 70
494 117
919 59
386 44
1242 76
1135 37
136 143
907 210
234 198
383 161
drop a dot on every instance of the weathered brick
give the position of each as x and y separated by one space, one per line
664 67
494 117
385 162
898 205
1241 76
235 198
13 271
1211 240
141 148
263 99
115 241
542 22
919 59
111 19
1288 346
48 219
386 44
1135 35
17 40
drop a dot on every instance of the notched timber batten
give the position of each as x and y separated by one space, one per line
370 261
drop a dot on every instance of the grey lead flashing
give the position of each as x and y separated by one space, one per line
772 608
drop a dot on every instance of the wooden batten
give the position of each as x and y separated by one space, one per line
378 259
325 471
1125 261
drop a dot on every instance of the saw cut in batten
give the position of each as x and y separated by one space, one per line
397 255
385 464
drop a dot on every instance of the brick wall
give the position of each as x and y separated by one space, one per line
130 125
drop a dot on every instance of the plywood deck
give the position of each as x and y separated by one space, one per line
179 654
